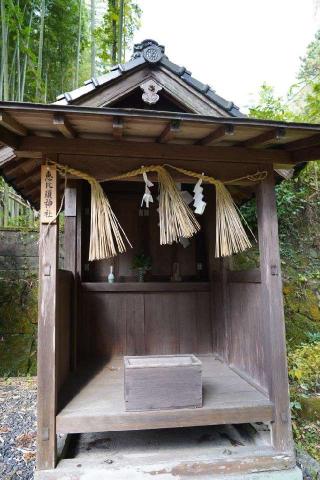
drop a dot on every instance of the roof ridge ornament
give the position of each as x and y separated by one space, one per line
150 50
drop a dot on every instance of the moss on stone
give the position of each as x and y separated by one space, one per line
17 355
310 408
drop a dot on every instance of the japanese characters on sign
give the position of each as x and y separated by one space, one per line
48 193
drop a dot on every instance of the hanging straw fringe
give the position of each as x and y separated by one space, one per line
231 237
176 217
105 230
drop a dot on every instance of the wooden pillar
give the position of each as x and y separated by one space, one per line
47 335
73 253
272 304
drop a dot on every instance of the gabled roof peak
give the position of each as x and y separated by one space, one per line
148 53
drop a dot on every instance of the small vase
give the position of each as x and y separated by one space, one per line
141 272
111 275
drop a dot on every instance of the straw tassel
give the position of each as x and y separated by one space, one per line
105 230
106 234
175 216
231 237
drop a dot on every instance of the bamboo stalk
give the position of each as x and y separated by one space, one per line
76 82
25 63
40 49
4 93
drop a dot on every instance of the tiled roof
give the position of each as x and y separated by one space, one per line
149 52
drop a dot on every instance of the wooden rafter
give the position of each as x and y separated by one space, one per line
34 191
34 177
303 143
117 128
216 135
9 138
169 132
19 165
64 126
35 155
8 122
306 154
151 150
273 134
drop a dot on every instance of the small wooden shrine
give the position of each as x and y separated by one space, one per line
94 154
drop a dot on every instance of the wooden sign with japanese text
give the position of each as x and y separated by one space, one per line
48 207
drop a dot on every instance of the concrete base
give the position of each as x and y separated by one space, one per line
129 474
225 452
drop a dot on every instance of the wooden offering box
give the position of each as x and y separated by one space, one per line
158 382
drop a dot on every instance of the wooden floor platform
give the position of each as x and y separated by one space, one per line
94 401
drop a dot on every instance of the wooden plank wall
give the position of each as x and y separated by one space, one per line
217 277
145 323
246 342
64 311
237 324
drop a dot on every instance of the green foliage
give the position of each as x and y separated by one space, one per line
310 63
307 435
107 35
45 47
269 106
304 367
141 261
22 42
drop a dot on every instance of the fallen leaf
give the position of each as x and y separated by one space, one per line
28 456
25 439
5 429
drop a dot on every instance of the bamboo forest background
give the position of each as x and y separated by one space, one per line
52 46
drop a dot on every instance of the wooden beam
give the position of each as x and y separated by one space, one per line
306 154
64 126
30 154
273 134
19 165
216 135
117 128
152 151
10 123
312 141
273 316
169 132
34 190
8 138
30 180
47 337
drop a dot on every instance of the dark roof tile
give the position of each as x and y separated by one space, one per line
201 87
176 69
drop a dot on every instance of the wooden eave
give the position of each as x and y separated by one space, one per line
108 141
